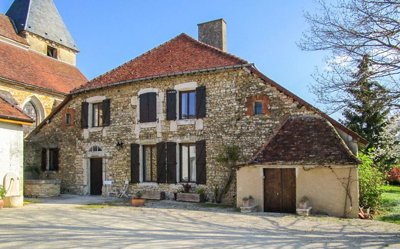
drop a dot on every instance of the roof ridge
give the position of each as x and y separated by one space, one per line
215 49
129 61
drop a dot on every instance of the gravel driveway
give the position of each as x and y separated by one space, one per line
62 223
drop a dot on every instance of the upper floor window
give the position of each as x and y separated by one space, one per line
187 102
258 108
68 119
52 52
148 107
97 114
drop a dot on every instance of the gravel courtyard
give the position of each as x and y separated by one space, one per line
68 223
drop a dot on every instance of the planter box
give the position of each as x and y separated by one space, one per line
153 195
189 197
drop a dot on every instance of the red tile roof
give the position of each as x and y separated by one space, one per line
306 140
9 111
29 67
7 30
181 54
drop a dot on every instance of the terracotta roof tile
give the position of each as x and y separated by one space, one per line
306 140
7 30
181 54
9 111
29 67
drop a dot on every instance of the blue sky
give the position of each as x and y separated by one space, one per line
109 33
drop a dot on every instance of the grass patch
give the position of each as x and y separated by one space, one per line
30 201
390 209
215 205
92 206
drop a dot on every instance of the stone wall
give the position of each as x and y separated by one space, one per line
41 188
226 122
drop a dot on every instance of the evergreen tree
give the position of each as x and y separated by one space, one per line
366 111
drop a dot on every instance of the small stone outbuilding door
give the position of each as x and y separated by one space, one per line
280 190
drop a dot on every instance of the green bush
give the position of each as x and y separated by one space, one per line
2 192
371 182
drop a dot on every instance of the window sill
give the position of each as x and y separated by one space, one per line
148 125
94 129
148 184
186 122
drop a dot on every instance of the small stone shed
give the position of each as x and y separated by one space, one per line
307 158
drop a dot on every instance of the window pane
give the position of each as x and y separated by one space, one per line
184 105
192 104
97 115
51 159
258 108
149 164
184 163
192 161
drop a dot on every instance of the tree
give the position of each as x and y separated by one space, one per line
366 110
228 157
388 150
348 30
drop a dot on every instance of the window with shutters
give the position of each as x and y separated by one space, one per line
50 159
187 162
148 107
149 163
187 101
97 114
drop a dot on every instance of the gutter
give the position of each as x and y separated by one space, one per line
21 120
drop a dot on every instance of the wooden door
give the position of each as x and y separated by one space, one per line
280 190
96 176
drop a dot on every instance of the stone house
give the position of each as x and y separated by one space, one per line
161 119
37 58
12 119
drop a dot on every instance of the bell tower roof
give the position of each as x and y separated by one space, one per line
41 17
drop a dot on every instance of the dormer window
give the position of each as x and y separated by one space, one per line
52 52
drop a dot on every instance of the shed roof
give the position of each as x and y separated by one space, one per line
306 140
12 112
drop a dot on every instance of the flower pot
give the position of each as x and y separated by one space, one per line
1 203
137 202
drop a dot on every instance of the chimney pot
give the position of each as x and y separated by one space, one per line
213 33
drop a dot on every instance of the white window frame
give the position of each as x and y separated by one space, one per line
91 101
184 87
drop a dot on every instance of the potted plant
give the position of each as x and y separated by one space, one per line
247 201
2 195
137 200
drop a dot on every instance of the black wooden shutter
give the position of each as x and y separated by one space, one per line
171 162
161 163
144 108
171 104
56 159
106 112
135 163
85 115
200 102
152 115
201 173
44 160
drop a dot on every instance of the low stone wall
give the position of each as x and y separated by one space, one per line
41 188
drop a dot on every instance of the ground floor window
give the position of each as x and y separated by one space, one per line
188 162
149 163
50 159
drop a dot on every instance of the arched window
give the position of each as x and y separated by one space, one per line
32 112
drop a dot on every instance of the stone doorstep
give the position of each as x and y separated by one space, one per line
303 211
249 209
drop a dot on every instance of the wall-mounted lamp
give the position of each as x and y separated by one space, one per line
119 145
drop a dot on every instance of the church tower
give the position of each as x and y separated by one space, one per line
44 29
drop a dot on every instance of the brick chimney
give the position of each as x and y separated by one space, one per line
213 33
